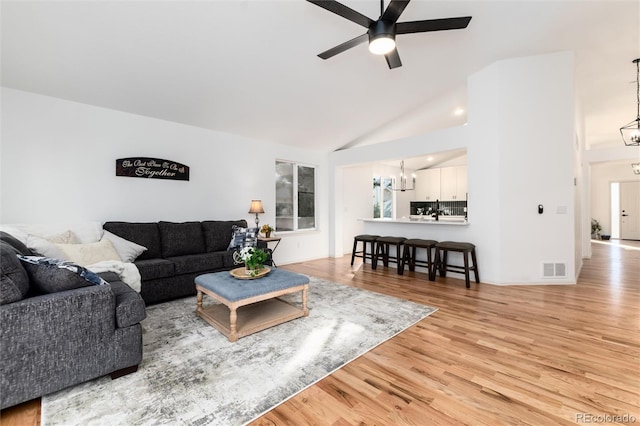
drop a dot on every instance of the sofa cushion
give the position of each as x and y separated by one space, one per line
243 237
88 254
145 234
203 262
151 269
128 250
130 308
178 239
48 275
14 281
227 259
218 233
18 245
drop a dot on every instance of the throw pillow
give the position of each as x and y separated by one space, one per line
52 275
66 237
88 254
243 237
14 281
47 246
18 245
128 250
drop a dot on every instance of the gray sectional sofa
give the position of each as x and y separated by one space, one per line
60 330
54 335
177 253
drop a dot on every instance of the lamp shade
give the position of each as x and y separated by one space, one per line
256 207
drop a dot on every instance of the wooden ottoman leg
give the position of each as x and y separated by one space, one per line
305 309
233 319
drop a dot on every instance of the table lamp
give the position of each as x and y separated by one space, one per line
256 207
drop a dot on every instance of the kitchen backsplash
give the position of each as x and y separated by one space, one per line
447 208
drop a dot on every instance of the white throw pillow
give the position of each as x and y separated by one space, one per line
88 254
46 246
128 250
66 237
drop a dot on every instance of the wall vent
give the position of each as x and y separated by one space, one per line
554 270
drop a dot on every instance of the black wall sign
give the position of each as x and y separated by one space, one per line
151 168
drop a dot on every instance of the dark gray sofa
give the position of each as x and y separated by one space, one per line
51 341
177 253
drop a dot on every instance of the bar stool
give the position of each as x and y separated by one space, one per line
364 238
409 255
465 248
382 249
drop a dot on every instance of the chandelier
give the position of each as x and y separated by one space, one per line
403 180
631 132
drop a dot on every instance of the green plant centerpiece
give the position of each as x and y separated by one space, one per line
253 259
595 229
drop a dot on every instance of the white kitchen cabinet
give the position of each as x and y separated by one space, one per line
427 185
453 183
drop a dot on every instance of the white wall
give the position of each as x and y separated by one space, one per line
356 202
536 112
513 165
58 165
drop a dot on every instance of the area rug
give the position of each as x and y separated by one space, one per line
192 375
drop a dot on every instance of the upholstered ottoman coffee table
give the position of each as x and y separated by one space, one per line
249 306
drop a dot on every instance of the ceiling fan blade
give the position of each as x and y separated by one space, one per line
394 10
344 46
344 11
393 59
432 25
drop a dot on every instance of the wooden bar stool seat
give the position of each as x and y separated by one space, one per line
441 264
409 255
364 239
382 250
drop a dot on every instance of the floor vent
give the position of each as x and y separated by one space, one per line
554 270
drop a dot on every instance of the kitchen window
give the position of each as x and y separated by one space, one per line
295 196
383 199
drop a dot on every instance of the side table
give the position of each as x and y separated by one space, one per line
266 242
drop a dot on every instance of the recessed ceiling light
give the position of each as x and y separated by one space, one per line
429 158
458 111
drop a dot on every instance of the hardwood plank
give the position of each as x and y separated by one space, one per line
492 355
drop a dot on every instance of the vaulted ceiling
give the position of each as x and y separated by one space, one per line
249 67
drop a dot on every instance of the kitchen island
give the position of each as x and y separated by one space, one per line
423 220
447 228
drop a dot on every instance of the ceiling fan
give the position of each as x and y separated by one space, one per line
382 33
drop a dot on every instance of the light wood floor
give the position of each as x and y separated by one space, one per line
490 355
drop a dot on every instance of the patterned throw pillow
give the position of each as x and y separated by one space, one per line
52 275
243 237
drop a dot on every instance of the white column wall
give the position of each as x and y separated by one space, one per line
519 142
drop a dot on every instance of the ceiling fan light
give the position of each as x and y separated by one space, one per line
382 44
382 37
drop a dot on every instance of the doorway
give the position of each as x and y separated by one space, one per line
629 210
